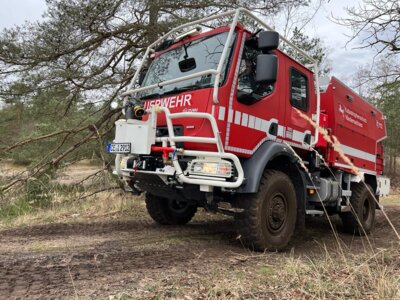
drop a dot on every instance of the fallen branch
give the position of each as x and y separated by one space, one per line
93 174
43 137
54 163
99 191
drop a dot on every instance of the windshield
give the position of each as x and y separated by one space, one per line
206 52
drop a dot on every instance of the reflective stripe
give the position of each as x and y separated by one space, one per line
281 130
237 117
360 169
230 115
221 114
358 153
245 118
298 136
264 125
252 121
246 151
251 152
296 140
257 124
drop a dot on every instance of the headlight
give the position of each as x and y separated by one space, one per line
220 168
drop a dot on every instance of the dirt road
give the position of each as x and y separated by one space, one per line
134 258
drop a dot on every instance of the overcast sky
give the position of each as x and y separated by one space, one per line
345 60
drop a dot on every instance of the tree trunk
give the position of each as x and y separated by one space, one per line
154 9
396 149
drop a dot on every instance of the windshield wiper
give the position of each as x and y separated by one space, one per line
174 91
149 96
185 88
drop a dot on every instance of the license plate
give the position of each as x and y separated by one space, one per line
119 148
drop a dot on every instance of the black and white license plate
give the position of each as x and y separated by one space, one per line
119 148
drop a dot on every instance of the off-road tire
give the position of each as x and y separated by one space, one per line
269 217
163 212
363 204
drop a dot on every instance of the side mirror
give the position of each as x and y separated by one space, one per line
187 64
268 40
267 68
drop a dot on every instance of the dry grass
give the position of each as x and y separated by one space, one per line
65 209
7 168
282 276
61 199
393 199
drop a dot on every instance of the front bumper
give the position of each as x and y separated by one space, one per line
142 135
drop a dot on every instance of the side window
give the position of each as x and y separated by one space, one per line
299 90
248 90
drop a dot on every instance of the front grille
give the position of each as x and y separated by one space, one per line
163 131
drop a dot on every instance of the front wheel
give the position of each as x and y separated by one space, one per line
169 211
269 217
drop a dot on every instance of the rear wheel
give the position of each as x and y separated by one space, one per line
269 217
169 211
361 220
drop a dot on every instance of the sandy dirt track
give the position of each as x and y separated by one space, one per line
97 258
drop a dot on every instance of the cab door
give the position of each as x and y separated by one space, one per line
300 103
255 111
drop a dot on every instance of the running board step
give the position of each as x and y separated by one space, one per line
314 212
231 210
345 208
227 208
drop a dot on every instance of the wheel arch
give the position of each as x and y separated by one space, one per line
269 155
276 156
373 183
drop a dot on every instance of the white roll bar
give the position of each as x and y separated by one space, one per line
236 14
172 139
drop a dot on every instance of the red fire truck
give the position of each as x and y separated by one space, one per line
227 120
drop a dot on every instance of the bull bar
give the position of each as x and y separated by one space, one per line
171 139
